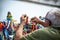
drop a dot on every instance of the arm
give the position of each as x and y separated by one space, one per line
19 31
46 23
36 20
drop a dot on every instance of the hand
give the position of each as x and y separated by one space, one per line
24 18
35 19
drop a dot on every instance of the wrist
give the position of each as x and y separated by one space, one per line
39 21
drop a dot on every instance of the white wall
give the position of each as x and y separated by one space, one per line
17 8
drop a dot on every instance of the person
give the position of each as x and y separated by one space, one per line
50 32
1 31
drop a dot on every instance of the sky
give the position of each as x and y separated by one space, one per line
17 8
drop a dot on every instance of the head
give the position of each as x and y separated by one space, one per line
53 16
9 15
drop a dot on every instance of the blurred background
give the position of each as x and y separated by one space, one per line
30 7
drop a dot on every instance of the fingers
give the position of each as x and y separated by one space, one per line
24 16
33 18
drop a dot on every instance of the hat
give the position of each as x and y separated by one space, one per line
54 17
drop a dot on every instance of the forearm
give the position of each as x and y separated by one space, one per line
19 32
45 24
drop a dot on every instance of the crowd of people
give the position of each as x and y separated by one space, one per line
9 27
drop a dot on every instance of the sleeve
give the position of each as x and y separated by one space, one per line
37 35
42 34
32 36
